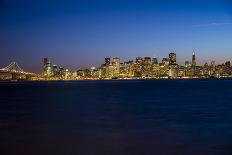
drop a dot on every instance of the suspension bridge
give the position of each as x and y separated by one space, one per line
14 72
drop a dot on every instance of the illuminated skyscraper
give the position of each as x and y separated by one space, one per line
165 61
116 66
193 59
172 58
45 62
107 61
116 60
55 70
48 68
193 63
187 68
61 72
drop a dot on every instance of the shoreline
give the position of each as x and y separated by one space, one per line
129 79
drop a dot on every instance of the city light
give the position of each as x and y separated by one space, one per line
140 68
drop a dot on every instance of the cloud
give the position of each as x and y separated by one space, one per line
212 24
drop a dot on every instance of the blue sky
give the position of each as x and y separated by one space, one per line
79 34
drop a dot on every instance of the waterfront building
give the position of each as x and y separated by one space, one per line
227 68
187 66
193 63
74 75
182 71
80 74
116 67
107 61
61 73
172 58
206 69
55 70
193 59
67 74
93 71
146 67
110 71
155 70
212 69
103 71
163 71
165 61
48 68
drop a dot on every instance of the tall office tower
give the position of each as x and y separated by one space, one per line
188 65
154 61
116 61
45 62
193 63
193 59
107 61
61 72
116 66
55 70
48 69
172 58
110 71
165 61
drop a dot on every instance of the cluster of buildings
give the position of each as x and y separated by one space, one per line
140 68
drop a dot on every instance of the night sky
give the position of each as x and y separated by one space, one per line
80 33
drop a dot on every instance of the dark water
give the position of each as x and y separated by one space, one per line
162 117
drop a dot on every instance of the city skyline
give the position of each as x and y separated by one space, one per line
81 33
115 68
140 68
159 59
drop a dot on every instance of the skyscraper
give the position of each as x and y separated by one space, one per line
48 69
165 61
55 70
45 62
107 61
172 58
193 59
116 66
116 60
193 63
